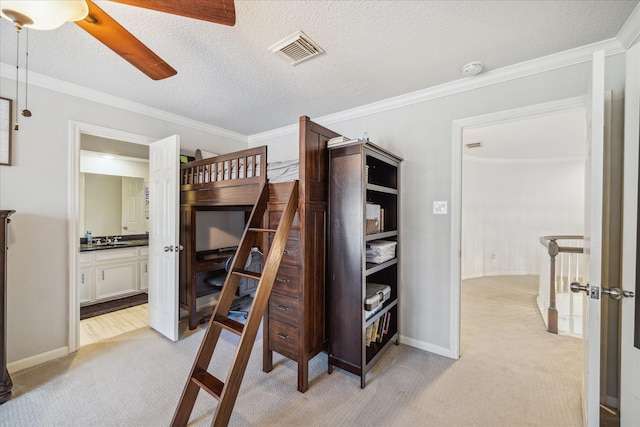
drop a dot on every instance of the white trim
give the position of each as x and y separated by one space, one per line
456 193
76 130
555 61
41 80
441 351
468 158
38 359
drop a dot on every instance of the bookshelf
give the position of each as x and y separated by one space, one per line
363 217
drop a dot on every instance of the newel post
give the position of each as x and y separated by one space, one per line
552 313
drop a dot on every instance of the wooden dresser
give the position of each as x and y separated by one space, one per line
5 379
295 321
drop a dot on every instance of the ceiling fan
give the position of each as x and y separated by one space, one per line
47 15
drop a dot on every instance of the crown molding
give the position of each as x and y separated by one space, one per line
629 34
9 72
535 66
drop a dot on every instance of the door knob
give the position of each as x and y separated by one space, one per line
577 287
168 248
614 293
628 294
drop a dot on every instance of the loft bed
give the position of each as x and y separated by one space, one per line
294 321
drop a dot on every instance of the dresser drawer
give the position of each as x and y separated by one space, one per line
283 338
291 255
287 280
284 309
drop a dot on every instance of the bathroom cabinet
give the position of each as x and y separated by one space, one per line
113 273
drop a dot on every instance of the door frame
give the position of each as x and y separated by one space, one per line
458 127
76 130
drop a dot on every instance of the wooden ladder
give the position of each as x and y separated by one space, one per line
199 377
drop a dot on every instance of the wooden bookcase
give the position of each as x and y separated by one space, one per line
360 173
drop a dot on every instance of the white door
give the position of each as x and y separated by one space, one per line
164 236
132 206
629 354
593 245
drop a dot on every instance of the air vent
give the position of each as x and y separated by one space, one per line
296 48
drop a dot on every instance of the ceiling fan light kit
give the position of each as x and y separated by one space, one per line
44 15
51 14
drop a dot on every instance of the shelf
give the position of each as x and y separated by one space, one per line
381 189
374 268
380 236
355 193
388 305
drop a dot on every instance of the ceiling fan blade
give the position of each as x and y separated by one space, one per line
218 11
104 28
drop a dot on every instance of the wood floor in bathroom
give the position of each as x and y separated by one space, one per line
112 324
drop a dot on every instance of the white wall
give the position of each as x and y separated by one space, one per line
36 187
421 133
508 205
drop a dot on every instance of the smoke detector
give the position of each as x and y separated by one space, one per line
296 48
472 68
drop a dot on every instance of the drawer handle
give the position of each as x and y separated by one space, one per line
282 307
282 280
285 252
283 336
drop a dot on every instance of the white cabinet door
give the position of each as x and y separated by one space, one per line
85 285
116 280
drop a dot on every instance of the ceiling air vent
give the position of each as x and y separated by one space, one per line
296 48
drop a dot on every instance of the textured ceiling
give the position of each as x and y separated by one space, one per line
375 50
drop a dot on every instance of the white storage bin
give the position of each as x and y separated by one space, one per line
379 251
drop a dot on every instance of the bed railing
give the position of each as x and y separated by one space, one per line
237 168
563 308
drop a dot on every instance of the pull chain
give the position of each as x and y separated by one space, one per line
26 112
17 125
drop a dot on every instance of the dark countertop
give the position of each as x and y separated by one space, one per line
125 242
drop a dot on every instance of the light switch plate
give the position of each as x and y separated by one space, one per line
440 207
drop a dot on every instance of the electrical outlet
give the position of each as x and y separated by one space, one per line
440 208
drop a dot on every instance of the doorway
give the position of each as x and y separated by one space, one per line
78 132
512 190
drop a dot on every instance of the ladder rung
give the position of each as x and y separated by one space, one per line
248 274
208 383
229 324
263 230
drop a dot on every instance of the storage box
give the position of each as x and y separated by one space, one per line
377 294
372 216
379 251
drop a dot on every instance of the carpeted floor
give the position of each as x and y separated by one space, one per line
93 310
511 373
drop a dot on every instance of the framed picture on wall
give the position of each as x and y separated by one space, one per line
5 131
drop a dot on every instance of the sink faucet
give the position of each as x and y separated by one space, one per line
116 239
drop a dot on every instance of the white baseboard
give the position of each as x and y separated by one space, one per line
38 359
441 351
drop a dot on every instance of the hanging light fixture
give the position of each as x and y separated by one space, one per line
43 15
39 15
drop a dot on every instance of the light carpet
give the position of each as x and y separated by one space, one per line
511 373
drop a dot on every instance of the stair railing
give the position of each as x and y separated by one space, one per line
565 266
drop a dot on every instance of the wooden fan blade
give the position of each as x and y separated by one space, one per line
218 11
104 28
